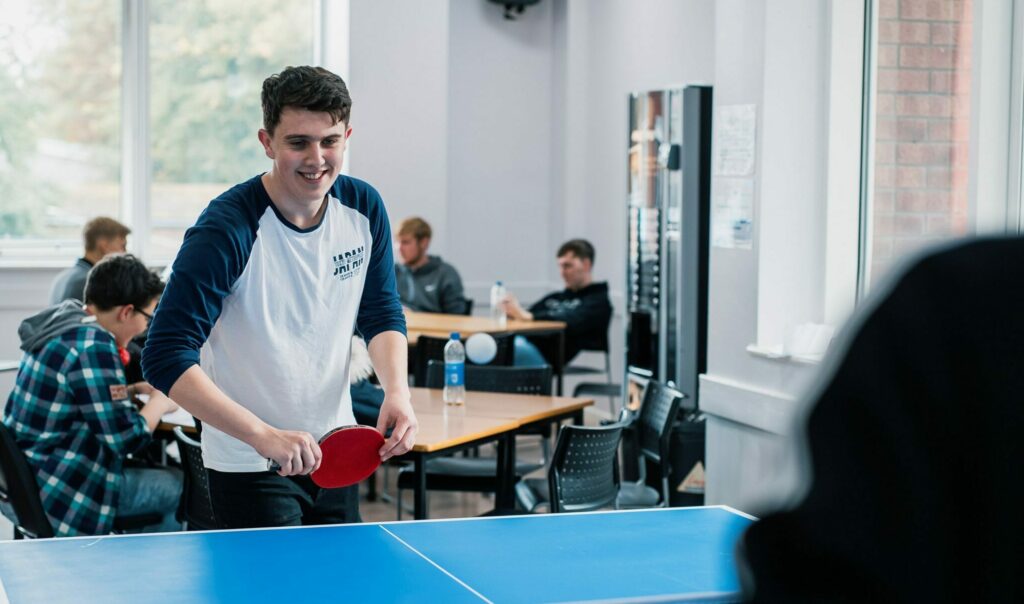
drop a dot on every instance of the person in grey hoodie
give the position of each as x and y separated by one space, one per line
71 409
426 283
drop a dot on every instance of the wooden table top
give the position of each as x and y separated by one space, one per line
484 414
439 431
440 325
524 408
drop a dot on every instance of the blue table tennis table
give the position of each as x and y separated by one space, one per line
667 555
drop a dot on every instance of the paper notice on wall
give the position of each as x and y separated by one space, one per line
735 140
732 213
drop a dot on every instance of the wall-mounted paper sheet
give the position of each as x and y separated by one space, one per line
735 140
732 213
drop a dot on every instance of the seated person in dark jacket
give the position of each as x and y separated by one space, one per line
426 283
915 447
101 236
583 306
367 397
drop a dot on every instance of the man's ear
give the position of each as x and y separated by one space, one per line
264 137
125 312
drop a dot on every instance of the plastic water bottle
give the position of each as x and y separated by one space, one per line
454 371
497 310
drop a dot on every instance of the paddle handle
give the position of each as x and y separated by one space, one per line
273 466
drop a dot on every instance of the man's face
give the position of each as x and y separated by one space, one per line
575 271
411 249
307 149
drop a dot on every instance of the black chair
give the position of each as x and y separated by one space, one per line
654 430
196 507
477 474
583 475
432 349
19 489
607 388
469 307
484 378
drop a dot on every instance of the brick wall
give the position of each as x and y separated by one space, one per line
922 104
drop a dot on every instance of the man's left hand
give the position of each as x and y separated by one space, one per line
396 413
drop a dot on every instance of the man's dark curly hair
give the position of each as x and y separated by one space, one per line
121 279
310 88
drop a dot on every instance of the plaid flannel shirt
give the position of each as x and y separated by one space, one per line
65 418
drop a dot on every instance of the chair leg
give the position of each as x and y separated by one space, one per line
608 375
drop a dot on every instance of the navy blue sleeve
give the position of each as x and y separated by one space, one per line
380 309
214 253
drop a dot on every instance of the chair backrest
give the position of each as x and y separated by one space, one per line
19 489
432 349
657 414
196 508
584 473
485 378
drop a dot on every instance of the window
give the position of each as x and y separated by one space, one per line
208 60
60 106
142 110
932 156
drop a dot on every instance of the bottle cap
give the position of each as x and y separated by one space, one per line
455 335
497 282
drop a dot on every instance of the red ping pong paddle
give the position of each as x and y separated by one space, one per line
349 455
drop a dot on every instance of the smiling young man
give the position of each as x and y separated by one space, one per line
253 333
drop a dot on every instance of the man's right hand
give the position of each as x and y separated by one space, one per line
514 310
295 451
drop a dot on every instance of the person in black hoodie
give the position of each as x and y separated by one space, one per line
583 306
914 446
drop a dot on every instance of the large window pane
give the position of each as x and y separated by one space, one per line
60 71
208 60
922 127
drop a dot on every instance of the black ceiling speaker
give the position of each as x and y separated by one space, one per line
514 8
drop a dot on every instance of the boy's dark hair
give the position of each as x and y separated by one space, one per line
580 247
121 279
102 228
310 88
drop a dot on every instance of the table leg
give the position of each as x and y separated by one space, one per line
505 498
561 362
420 490
577 418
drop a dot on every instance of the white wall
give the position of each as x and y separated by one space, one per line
398 61
773 55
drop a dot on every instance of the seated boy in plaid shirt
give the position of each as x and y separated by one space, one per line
71 410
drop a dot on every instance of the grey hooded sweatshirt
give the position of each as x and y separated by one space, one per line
433 287
49 323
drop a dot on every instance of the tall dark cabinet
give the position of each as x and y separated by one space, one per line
668 219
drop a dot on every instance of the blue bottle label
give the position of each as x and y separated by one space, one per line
454 374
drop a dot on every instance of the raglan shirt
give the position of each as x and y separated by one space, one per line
268 310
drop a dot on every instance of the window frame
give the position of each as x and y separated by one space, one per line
329 50
995 166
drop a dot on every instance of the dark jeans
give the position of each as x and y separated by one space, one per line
262 499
